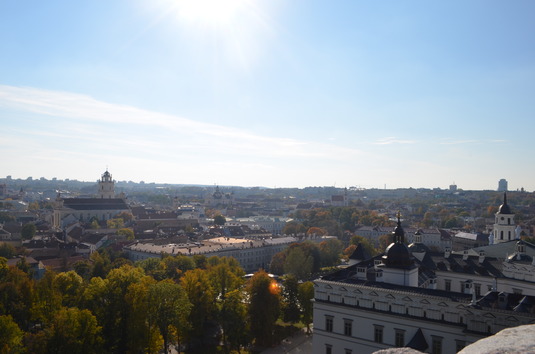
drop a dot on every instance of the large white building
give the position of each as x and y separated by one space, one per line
435 302
105 206
251 254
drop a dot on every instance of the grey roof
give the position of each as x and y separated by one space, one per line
503 249
95 204
418 341
360 253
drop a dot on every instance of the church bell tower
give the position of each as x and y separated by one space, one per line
504 224
106 186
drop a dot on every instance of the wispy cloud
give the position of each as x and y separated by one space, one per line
393 140
84 122
449 141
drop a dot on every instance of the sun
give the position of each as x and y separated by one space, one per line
216 13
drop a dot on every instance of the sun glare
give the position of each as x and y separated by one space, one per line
215 13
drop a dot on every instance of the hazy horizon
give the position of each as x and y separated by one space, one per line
272 93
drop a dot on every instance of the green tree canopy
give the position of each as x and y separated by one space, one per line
10 336
219 219
330 251
198 288
298 263
168 309
28 231
306 295
290 304
74 331
126 232
233 320
264 307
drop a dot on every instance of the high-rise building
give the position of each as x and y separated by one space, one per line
502 185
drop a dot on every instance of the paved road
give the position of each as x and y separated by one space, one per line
299 343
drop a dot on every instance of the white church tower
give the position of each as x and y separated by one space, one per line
106 186
504 224
398 265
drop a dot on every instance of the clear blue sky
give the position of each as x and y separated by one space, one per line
270 93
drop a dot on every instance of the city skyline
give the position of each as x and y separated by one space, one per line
270 93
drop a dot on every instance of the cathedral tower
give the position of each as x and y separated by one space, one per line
504 224
106 186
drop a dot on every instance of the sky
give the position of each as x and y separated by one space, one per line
273 93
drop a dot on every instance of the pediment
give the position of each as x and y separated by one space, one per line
342 289
442 304
328 286
406 298
373 293
390 296
489 315
357 291
424 301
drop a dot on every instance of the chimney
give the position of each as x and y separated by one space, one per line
447 252
465 255
481 256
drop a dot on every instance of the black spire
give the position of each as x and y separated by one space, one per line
504 208
399 233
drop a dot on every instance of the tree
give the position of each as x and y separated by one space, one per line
224 278
318 231
70 286
10 336
264 307
233 321
127 233
115 223
101 264
384 241
74 331
290 303
142 335
125 216
168 309
330 251
83 269
298 263
305 295
7 251
197 286
355 240
176 266
106 298
6 217
293 228
219 220
28 231
16 296
46 299
277 263
95 224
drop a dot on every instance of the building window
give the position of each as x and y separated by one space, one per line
399 338
348 327
329 323
378 334
328 349
348 351
517 291
477 289
436 345
447 285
